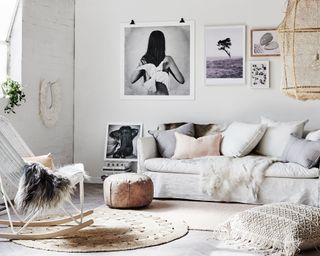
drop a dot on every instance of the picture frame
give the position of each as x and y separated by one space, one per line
260 74
264 42
225 55
146 78
121 141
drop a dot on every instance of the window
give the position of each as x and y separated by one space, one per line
8 10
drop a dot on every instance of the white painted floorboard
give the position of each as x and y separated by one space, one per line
195 243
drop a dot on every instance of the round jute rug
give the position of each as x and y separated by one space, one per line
113 230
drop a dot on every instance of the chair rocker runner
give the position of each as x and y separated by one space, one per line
12 148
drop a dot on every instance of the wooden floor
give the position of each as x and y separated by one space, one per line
196 243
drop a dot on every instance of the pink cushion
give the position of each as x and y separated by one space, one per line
189 147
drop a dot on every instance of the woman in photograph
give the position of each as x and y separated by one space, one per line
155 66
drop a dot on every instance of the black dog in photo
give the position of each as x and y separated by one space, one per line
123 146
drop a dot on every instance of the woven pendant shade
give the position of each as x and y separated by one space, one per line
299 37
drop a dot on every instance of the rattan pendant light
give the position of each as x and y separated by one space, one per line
299 37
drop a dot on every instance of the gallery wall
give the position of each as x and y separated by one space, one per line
97 72
42 47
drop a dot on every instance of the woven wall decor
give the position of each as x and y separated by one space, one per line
50 102
299 37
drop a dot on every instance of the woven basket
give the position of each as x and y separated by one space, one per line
299 38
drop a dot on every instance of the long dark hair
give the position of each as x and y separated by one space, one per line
156 48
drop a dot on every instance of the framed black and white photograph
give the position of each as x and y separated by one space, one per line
225 54
259 74
121 142
264 43
157 60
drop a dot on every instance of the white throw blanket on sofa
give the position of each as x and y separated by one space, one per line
221 175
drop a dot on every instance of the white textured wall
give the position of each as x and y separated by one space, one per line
46 52
97 71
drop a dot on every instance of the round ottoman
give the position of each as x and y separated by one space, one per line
128 190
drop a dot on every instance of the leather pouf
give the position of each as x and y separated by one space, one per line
128 190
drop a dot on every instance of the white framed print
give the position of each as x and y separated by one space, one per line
225 55
157 61
121 141
260 74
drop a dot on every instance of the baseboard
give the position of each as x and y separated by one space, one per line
95 180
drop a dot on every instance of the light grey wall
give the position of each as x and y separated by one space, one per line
43 48
97 71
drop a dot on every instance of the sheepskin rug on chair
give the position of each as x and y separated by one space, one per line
41 189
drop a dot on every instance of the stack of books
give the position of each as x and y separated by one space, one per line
115 168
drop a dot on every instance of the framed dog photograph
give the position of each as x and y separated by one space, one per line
225 55
264 43
121 142
157 61
259 74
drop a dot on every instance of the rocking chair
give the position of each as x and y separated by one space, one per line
12 149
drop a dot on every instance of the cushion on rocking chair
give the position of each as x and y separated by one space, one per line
45 160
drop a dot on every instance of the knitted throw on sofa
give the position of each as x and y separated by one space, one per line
221 175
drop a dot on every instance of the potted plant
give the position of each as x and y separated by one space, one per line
13 91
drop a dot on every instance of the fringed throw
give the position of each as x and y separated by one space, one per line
40 189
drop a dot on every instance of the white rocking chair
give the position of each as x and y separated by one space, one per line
12 149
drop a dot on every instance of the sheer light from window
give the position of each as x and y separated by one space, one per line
7 15
3 62
7 11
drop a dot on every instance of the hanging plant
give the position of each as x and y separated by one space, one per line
14 93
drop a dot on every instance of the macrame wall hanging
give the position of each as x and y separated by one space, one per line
299 37
50 102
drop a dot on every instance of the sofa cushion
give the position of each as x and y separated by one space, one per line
313 136
291 170
241 138
166 140
277 136
166 165
188 147
200 130
301 151
191 166
45 160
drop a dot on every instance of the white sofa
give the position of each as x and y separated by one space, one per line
283 182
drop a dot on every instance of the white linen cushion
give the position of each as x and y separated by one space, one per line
313 136
241 138
277 136
279 228
188 147
191 166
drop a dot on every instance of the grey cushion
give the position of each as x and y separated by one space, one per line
303 152
200 130
166 140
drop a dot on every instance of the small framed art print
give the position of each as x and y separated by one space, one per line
264 43
121 142
225 55
259 71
